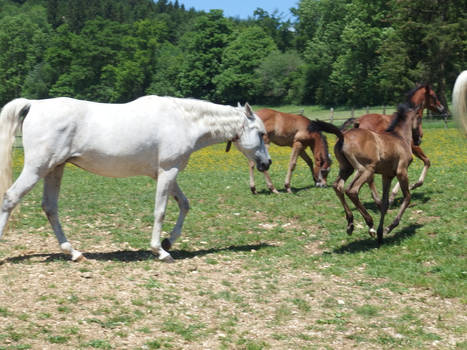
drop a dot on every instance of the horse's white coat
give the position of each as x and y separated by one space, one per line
152 136
459 100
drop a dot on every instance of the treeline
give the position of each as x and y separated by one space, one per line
331 52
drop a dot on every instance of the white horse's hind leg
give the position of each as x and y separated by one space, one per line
184 207
165 182
50 206
25 182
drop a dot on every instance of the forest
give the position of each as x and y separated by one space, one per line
328 52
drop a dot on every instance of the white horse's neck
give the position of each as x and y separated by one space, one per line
212 123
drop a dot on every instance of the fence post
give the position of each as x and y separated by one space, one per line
332 115
384 109
367 110
353 112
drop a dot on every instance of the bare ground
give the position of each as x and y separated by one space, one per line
121 298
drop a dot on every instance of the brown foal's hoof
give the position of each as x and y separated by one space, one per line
350 228
166 245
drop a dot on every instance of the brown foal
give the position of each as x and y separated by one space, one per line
419 98
388 153
286 129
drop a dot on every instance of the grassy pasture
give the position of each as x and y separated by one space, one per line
251 272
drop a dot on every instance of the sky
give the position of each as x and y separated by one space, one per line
242 8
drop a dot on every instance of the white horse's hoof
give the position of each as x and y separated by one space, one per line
167 259
77 256
164 256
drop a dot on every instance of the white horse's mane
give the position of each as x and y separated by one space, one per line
220 120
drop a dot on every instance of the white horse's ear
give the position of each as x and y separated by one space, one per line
249 111
239 104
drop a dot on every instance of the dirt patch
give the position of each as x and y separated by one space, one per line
121 298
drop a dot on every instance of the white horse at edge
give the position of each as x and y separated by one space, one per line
459 101
152 136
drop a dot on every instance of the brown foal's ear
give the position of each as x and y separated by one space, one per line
229 144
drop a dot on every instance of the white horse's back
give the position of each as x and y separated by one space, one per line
459 100
116 140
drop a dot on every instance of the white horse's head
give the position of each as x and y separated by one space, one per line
250 141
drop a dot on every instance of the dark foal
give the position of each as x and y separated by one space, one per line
286 129
388 153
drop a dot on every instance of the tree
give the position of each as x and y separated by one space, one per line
130 76
354 73
22 43
204 46
81 59
237 80
435 36
169 60
281 78
275 27
319 28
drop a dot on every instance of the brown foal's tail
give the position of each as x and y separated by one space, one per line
319 125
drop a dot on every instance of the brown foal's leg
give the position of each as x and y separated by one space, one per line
418 152
384 206
296 149
404 182
353 190
374 193
338 186
269 183
309 162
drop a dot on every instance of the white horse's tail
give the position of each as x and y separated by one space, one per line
459 100
10 120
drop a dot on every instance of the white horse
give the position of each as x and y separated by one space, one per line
459 101
152 136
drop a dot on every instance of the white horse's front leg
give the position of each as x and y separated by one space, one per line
184 207
165 184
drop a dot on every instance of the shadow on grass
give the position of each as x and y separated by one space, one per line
371 243
294 190
137 255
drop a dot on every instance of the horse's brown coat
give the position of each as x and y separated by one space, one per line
419 98
367 152
287 129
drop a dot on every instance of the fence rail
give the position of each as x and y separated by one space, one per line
336 116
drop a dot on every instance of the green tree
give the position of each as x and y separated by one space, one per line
169 61
237 80
81 59
281 78
22 43
204 46
131 74
354 73
435 38
275 27
319 28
